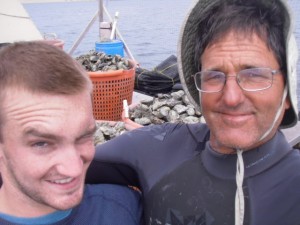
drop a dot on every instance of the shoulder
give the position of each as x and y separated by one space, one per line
110 190
283 186
292 163
286 172
291 160
108 204
114 193
114 197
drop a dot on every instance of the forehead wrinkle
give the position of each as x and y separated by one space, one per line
238 54
15 103
237 62
232 49
35 114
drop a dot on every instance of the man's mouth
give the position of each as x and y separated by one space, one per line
62 181
236 118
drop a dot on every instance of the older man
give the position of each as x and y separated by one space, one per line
237 60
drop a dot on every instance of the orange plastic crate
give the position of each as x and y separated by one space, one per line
110 89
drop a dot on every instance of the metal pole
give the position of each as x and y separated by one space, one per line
101 18
126 48
81 36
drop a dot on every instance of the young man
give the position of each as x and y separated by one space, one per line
46 143
237 61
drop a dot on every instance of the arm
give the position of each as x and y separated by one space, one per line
112 172
143 156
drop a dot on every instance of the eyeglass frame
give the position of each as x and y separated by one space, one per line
273 72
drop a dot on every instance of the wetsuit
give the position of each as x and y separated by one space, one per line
101 205
186 182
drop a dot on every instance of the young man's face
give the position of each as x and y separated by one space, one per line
237 118
47 147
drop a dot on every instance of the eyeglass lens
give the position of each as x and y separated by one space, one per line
253 79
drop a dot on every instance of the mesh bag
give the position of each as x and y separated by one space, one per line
159 80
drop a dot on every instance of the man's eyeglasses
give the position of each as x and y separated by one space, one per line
254 79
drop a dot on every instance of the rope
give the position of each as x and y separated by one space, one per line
281 107
239 196
23 17
162 72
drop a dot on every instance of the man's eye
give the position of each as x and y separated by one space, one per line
40 144
213 77
86 138
257 77
253 74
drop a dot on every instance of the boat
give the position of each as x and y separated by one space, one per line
15 23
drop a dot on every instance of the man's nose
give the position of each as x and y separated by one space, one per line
70 162
232 93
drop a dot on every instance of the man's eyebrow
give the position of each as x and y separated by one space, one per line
31 131
89 132
241 67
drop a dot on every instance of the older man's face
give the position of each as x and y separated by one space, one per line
237 118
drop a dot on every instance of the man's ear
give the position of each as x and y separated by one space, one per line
287 103
1 151
1 160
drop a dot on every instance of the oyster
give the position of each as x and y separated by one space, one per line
174 107
99 61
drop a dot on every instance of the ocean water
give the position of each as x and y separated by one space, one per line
149 27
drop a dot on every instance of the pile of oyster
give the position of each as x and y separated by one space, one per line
173 108
107 130
99 61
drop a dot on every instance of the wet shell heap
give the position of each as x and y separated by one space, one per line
99 61
107 130
173 108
